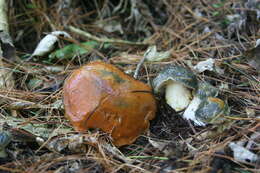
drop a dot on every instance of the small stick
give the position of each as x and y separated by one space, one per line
139 65
107 40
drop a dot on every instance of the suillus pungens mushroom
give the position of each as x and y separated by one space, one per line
178 83
5 139
211 110
99 95
204 91
201 106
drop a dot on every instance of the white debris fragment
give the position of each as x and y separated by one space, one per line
47 43
152 54
198 13
241 154
250 113
206 30
205 65
219 37
233 17
40 140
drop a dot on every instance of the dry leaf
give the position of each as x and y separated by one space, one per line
47 43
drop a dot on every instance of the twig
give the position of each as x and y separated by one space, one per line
107 40
139 65
148 157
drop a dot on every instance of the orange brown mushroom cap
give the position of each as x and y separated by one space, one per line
99 95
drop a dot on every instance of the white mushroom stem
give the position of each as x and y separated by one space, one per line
177 95
189 113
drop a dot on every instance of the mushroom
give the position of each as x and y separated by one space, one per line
200 106
211 110
204 90
99 95
178 83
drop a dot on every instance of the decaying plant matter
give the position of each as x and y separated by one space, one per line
217 40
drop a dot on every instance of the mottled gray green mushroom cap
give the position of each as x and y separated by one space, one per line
206 90
175 73
211 110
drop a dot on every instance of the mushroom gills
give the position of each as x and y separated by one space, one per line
177 95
